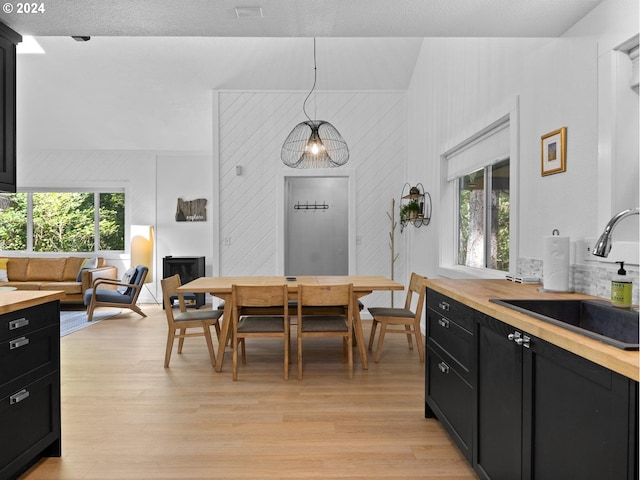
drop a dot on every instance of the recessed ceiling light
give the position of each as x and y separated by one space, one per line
29 45
248 12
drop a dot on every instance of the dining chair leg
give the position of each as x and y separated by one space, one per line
286 359
167 354
350 356
299 358
374 325
383 330
207 336
181 341
234 342
419 341
409 334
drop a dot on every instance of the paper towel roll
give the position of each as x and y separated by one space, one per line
555 263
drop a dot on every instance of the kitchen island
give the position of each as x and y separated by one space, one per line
523 398
29 379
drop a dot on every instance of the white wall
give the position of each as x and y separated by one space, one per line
248 130
132 171
252 127
462 85
91 117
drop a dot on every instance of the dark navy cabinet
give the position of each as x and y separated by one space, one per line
450 368
29 387
523 408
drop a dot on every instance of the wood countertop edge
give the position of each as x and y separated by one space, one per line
19 299
476 294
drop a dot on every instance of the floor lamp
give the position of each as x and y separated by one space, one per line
142 239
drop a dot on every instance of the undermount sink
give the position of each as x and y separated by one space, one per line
596 319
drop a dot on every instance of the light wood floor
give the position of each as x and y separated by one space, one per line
124 416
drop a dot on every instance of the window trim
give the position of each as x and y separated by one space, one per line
448 220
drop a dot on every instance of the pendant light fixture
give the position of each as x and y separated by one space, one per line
314 143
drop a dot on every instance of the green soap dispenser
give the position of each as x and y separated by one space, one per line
621 289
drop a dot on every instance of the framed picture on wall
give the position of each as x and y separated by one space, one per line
554 151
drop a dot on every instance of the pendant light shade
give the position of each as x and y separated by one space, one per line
314 143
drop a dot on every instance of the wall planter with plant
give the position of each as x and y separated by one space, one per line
415 206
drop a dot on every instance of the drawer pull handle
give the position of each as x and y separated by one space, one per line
18 397
443 322
444 306
18 342
18 323
444 368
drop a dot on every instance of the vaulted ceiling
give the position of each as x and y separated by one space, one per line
362 44
300 18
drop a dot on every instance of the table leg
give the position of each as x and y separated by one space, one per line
225 331
357 327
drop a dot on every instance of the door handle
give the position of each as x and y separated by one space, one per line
520 339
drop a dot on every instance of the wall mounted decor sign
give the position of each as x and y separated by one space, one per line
191 210
554 151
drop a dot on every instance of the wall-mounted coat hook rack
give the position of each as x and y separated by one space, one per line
311 206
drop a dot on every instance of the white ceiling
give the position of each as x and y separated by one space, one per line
362 44
301 18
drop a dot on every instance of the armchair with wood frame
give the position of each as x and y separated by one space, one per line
117 293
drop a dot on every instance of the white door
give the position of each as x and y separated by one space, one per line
317 226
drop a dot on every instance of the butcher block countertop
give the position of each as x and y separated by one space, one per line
10 301
476 294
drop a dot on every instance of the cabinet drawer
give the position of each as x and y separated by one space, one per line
451 309
37 351
451 337
451 398
30 419
27 320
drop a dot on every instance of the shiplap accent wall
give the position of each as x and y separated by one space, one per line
252 125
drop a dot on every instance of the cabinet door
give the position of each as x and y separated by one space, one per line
8 40
450 398
580 418
499 387
30 419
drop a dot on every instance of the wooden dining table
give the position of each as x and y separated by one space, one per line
220 287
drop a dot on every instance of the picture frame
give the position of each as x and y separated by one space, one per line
553 148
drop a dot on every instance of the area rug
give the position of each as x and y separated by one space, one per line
73 321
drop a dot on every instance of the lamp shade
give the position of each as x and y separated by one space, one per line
142 248
314 144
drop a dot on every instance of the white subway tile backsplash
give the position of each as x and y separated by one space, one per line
590 279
